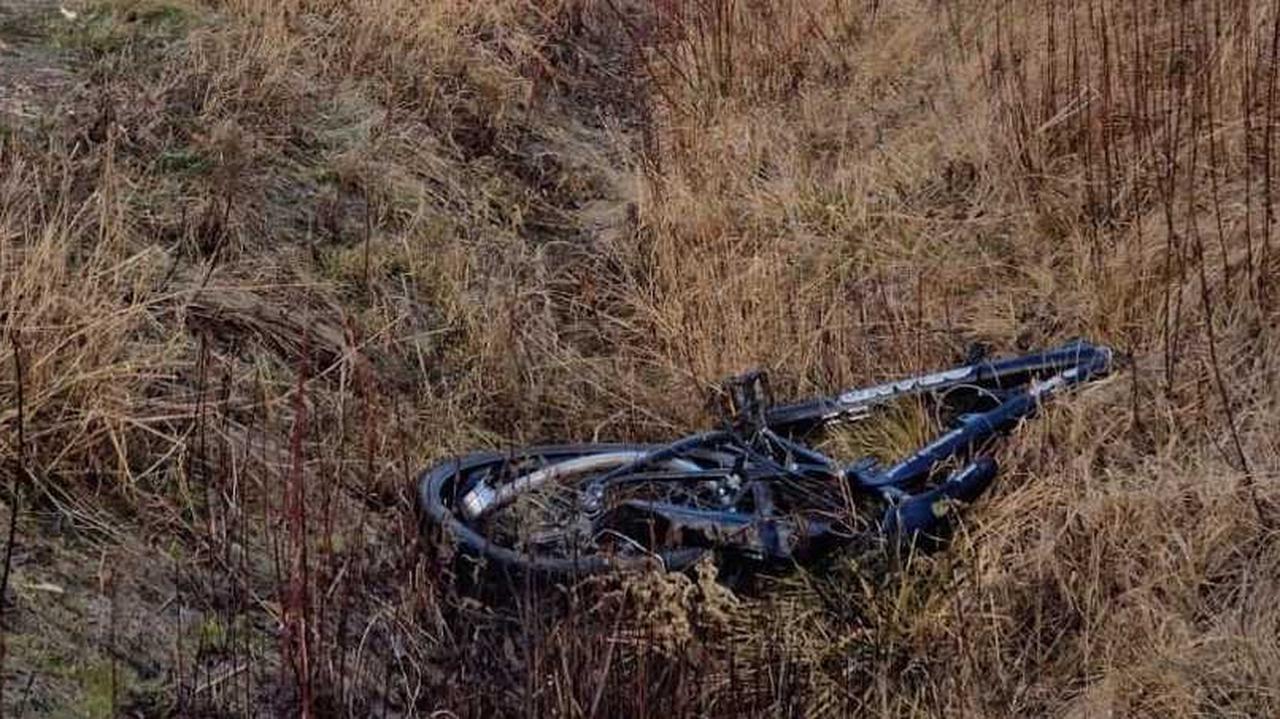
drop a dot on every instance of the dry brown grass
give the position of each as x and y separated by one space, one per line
479 224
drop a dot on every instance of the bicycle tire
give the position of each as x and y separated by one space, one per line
438 498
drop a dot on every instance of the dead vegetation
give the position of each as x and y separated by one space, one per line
280 255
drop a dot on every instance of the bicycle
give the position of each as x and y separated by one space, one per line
756 489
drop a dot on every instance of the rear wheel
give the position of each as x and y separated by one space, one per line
529 509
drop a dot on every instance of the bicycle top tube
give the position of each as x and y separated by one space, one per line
974 429
989 374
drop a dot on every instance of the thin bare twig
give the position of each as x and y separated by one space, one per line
15 501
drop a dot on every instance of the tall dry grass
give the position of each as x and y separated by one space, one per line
297 250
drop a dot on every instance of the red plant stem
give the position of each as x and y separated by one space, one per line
296 604
1267 145
15 501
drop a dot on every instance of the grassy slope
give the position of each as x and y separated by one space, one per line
285 247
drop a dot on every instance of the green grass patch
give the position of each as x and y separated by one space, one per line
114 24
183 161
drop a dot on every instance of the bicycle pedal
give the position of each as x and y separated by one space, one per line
977 352
746 397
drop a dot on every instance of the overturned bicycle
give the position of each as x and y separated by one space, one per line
756 490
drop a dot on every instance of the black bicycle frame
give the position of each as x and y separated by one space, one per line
1018 385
